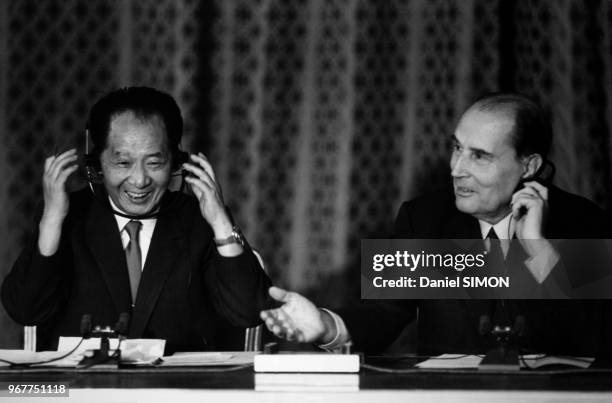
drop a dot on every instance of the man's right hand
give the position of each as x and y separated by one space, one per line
57 170
298 319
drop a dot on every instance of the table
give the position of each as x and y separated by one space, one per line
217 384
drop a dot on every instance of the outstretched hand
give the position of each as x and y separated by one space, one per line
298 319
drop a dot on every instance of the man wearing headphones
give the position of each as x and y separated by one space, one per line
175 263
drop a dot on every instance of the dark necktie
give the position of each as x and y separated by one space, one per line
496 254
497 261
133 257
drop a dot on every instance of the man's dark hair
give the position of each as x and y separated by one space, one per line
145 103
532 132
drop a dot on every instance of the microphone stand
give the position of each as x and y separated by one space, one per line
505 355
101 356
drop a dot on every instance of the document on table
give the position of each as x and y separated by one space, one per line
139 352
133 351
451 361
463 361
208 358
28 357
538 361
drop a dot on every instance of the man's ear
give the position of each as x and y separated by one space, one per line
531 165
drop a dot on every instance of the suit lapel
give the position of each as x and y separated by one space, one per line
464 230
104 242
462 226
516 253
166 248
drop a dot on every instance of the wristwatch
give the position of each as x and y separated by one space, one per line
235 237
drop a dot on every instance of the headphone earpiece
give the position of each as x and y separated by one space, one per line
93 169
179 158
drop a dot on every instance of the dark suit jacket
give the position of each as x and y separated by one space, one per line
186 286
559 326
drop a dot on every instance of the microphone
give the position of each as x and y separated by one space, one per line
484 325
520 326
101 355
505 356
122 325
85 328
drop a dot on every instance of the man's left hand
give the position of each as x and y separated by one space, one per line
208 192
529 210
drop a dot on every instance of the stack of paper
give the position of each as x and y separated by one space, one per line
451 361
208 358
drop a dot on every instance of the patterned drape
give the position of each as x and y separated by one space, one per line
320 116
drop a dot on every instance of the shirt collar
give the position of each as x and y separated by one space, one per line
504 229
122 221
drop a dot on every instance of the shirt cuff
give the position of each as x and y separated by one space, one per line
542 264
342 336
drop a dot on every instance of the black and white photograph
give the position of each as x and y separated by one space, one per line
306 200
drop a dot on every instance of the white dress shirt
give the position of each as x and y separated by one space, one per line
504 230
144 237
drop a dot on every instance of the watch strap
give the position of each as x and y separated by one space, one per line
235 237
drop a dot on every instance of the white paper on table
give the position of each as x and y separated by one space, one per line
137 347
135 351
209 358
26 356
451 361
541 360
68 343
142 351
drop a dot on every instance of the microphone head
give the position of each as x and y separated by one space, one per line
520 326
122 325
86 326
484 325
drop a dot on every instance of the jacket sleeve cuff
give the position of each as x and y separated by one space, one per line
342 335
543 263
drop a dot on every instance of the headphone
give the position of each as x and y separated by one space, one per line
95 178
93 166
544 175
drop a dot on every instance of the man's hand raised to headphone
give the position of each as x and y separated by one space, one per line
204 185
56 172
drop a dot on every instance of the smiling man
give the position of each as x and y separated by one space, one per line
500 146
485 166
174 262
131 138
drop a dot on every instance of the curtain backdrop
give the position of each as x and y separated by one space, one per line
319 116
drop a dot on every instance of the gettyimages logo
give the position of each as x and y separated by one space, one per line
464 269
412 261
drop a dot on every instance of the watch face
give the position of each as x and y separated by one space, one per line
237 234
238 237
